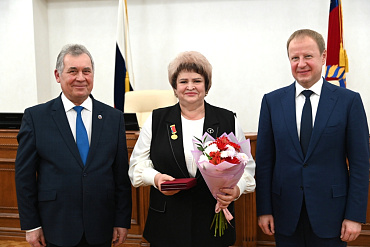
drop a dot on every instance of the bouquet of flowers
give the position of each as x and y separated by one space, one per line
221 163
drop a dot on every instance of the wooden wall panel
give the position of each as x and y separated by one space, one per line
9 219
248 233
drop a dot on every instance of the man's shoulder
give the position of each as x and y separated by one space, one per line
341 91
43 106
281 91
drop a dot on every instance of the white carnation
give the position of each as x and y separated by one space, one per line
203 158
211 148
243 157
229 152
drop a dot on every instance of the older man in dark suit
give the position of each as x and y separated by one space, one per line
307 131
72 167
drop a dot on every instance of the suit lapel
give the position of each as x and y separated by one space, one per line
289 112
173 124
211 126
211 122
326 105
97 127
59 115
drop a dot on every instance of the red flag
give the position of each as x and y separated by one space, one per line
336 61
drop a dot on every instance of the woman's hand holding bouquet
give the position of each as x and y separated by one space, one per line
221 163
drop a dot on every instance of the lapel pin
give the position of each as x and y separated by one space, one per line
100 117
174 132
210 130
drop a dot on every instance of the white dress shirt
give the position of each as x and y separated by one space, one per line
188 128
86 115
142 171
300 100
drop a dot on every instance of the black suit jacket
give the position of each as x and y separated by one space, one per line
56 191
184 219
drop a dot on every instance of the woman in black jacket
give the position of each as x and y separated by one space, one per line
163 153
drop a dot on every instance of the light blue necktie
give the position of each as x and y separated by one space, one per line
81 135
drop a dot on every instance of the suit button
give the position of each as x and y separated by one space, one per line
301 187
305 165
84 174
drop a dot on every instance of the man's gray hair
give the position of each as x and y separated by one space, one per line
74 50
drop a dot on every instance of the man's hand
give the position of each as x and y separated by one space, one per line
36 238
350 230
266 223
119 235
159 179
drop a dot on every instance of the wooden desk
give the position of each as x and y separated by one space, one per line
248 233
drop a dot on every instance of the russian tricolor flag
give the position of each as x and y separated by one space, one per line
123 74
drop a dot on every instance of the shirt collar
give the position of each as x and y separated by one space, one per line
316 88
68 105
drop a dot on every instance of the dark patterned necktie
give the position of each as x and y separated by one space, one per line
306 122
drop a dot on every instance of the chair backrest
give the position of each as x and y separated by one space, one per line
143 102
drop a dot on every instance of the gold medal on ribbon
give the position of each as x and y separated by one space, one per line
173 131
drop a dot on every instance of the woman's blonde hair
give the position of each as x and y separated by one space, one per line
191 61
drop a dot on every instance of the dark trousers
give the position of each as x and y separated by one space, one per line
305 237
83 243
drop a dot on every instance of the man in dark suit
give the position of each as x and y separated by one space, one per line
306 194
68 194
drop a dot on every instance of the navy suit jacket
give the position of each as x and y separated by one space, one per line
285 177
56 191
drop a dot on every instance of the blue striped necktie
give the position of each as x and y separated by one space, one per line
81 135
306 122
